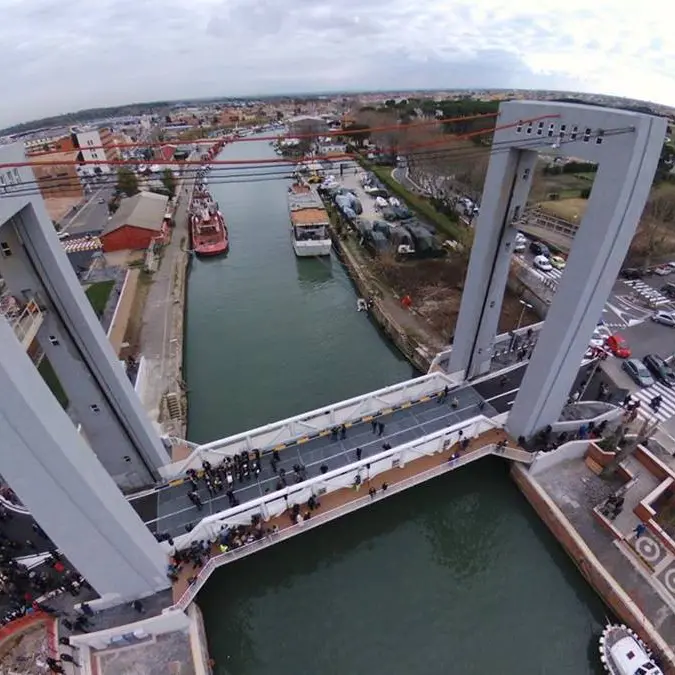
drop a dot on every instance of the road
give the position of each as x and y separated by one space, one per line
93 216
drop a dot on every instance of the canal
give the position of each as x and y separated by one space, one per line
457 576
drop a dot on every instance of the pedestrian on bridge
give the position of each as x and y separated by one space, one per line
358 454
380 428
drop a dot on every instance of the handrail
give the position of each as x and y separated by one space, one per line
291 530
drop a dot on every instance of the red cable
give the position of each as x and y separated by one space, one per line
296 160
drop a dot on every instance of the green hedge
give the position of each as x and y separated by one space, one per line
418 204
52 381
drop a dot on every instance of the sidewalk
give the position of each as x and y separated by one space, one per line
161 340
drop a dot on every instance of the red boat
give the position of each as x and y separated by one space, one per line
207 227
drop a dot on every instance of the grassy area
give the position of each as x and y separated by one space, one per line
418 204
571 210
49 376
98 295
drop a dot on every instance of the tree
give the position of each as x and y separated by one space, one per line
169 181
626 447
127 182
653 236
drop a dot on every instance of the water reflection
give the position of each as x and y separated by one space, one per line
314 271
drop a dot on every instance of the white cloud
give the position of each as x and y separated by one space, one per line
61 55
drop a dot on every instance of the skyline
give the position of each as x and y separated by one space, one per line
72 55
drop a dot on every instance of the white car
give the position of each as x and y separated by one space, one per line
665 318
663 270
541 263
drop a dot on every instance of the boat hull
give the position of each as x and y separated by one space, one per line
313 249
211 251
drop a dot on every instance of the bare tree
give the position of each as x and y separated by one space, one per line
626 447
653 235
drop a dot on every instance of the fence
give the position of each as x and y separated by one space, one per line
276 503
325 517
301 428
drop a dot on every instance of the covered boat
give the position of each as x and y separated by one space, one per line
623 653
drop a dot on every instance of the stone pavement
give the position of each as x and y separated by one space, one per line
577 491
161 340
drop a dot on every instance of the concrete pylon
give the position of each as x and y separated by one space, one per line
65 487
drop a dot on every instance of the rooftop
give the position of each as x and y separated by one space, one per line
145 210
69 156
309 217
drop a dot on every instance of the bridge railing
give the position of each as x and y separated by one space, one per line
319 422
441 361
276 503
326 516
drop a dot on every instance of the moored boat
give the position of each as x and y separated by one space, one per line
622 652
207 225
309 222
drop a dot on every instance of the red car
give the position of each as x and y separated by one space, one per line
618 346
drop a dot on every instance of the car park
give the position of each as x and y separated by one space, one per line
618 346
539 249
659 369
631 273
541 263
638 372
664 318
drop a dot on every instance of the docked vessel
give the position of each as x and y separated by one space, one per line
207 225
623 653
309 222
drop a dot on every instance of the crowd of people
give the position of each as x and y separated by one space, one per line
547 440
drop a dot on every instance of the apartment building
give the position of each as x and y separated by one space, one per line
98 147
56 174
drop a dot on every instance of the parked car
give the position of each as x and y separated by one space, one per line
541 263
637 372
659 369
618 346
519 247
539 249
663 270
632 273
664 318
668 290
558 262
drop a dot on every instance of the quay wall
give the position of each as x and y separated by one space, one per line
419 355
590 567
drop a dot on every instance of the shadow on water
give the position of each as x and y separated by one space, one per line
314 271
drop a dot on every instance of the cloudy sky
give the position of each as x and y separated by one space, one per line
64 55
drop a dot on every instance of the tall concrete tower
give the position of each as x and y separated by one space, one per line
38 273
626 146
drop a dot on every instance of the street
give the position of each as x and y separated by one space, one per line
93 216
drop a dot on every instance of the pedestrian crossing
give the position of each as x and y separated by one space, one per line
551 278
82 244
646 291
667 408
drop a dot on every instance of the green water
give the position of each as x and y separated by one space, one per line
457 576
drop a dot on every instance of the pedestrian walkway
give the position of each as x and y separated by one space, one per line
408 422
643 289
331 504
666 410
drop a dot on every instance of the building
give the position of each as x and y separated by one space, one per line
307 124
56 174
96 145
138 221
64 143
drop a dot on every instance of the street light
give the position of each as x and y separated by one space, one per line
526 305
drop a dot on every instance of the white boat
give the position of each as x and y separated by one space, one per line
309 222
623 653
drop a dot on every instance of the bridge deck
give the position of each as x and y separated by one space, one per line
333 500
174 511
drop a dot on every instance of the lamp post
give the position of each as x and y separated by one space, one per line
526 305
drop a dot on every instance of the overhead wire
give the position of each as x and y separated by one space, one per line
337 133
242 162
262 173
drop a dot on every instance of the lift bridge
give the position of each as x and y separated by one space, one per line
70 485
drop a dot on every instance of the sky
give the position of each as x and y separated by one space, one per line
64 55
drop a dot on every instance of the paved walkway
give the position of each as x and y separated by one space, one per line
333 500
161 340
